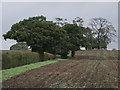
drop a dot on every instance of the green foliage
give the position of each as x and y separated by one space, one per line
91 41
19 46
79 21
60 37
41 35
76 38
11 59
75 32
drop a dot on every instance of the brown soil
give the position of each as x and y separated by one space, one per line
77 73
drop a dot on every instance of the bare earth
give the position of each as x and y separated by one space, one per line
77 73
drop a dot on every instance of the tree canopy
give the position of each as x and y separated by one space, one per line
75 36
41 35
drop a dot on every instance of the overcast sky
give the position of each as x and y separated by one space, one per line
14 12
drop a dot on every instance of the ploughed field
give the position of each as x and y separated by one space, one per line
89 69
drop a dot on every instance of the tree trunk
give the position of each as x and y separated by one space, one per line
33 49
64 56
41 55
98 44
99 40
73 53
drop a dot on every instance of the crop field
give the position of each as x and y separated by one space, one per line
89 69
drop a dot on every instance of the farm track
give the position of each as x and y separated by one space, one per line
78 73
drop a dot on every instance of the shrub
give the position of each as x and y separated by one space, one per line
19 46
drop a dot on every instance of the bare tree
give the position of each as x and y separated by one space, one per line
103 29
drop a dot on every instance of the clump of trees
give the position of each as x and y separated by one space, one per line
75 32
41 35
61 36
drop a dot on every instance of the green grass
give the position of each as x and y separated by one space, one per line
69 54
6 74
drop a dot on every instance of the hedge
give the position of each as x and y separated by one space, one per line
11 59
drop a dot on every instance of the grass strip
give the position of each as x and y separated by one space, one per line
6 74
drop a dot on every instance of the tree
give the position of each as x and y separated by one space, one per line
61 22
104 31
41 35
75 36
79 21
91 41
74 31
19 46
89 36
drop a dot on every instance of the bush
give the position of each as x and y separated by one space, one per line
19 46
11 59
